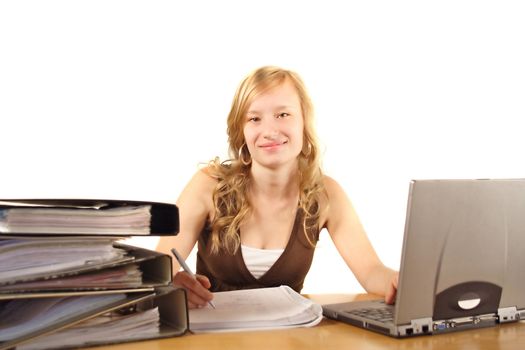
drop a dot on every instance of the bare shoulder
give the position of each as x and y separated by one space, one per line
204 179
200 188
339 211
333 188
334 196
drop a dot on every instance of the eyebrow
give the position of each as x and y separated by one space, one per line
254 111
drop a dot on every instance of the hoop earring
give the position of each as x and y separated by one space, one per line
241 156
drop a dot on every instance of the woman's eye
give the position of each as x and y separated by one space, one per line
253 119
283 115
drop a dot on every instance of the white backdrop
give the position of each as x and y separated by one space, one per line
123 99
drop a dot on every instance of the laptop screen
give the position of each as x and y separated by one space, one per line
463 249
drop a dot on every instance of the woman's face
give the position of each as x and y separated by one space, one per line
273 129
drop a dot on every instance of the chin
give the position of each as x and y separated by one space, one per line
276 163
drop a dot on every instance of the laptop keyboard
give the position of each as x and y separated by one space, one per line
384 313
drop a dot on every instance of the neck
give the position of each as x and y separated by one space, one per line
277 183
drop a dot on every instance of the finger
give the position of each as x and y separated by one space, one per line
181 279
204 281
391 292
195 301
189 284
192 305
200 287
195 290
390 296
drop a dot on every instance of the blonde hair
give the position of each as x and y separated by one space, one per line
230 200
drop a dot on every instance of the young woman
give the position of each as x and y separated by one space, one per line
257 217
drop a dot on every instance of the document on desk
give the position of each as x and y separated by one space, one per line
256 309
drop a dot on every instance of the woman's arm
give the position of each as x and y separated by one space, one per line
351 241
195 208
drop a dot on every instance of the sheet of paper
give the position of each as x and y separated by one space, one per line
262 308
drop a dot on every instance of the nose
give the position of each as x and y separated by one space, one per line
271 130
272 135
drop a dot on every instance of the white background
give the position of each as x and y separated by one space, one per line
123 99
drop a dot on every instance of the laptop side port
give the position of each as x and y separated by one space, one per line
508 314
417 327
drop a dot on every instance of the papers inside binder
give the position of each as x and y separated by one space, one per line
65 322
97 220
109 327
30 259
42 264
120 277
21 317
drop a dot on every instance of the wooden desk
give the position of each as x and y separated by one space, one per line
330 334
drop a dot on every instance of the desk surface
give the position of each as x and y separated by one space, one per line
330 334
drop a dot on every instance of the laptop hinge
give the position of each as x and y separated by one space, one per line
508 314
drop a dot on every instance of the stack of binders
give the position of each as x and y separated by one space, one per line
66 281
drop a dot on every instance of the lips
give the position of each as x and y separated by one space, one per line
272 144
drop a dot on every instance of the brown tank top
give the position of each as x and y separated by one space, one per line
229 272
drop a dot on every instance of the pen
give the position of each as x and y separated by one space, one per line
187 269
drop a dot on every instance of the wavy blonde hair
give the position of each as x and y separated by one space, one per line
229 197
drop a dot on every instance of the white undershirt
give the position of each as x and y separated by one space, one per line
259 261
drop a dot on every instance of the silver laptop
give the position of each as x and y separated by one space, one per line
462 264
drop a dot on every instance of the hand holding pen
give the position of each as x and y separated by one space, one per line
196 286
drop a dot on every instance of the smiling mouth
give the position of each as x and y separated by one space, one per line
273 144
